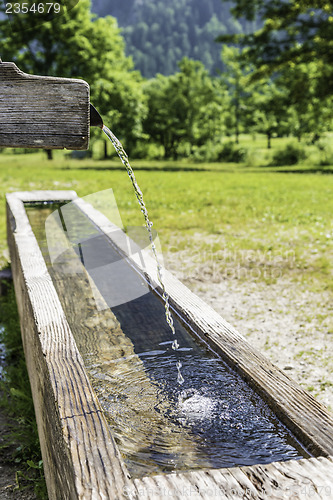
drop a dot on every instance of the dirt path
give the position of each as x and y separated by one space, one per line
291 325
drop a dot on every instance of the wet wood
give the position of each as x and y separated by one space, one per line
42 111
79 452
296 479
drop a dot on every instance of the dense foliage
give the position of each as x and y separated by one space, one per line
193 114
293 33
274 84
183 108
159 34
77 44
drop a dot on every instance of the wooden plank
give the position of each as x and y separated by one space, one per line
309 420
42 111
80 456
297 479
37 196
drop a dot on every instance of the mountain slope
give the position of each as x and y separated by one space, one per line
158 33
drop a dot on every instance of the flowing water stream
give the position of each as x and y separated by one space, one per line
138 193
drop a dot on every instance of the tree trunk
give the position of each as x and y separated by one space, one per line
237 122
105 150
315 138
49 154
269 135
167 151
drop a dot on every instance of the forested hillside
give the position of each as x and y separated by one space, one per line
159 33
272 88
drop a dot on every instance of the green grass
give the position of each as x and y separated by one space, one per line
257 218
20 444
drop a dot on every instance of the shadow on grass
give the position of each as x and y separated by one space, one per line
226 170
147 169
319 170
214 167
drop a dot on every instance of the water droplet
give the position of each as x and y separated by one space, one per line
175 344
180 378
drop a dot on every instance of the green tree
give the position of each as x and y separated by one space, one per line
294 32
78 44
235 77
308 113
164 122
270 114
177 107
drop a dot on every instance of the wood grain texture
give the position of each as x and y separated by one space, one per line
296 479
42 112
80 454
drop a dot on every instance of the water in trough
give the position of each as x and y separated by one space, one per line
214 419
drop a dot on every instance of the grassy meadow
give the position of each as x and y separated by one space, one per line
231 214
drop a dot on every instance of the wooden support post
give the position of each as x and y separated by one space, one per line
42 111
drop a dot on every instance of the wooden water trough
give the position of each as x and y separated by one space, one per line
80 455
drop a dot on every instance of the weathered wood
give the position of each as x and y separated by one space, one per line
42 111
81 458
297 479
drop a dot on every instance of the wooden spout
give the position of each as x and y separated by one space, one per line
42 111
